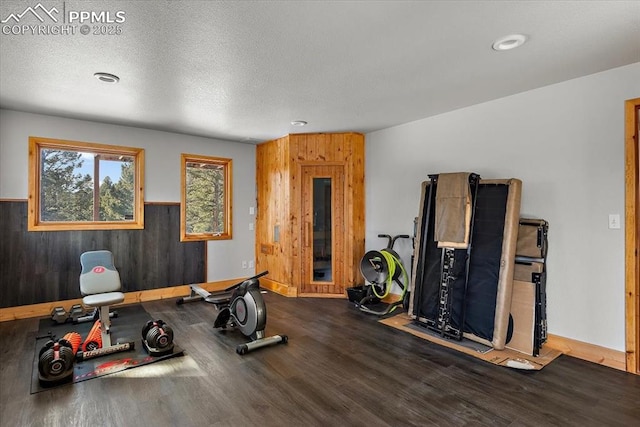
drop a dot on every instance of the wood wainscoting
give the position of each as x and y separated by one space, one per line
38 267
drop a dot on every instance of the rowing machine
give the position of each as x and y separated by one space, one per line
239 306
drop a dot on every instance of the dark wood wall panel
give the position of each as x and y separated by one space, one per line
43 266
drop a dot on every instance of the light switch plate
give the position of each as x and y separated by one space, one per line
614 221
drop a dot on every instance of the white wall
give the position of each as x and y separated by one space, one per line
566 143
162 172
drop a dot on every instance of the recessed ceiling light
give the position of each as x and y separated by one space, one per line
509 42
299 123
107 78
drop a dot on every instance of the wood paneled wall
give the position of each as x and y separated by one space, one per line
273 210
44 266
278 175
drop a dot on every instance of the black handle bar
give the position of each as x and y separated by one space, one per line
392 240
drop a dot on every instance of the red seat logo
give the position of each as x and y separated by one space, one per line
98 269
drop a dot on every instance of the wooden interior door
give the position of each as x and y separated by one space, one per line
323 232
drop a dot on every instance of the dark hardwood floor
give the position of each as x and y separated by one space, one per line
340 368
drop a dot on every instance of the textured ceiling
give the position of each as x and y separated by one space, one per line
242 70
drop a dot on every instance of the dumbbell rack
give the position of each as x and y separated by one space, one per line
77 314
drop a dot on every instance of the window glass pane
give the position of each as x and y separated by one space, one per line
66 190
81 186
205 198
117 183
206 202
322 265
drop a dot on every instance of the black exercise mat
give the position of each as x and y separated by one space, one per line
124 328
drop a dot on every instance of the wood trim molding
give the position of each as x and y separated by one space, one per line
319 295
44 309
279 288
589 352
632 266
227 168
323 133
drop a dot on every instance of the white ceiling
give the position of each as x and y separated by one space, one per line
243 70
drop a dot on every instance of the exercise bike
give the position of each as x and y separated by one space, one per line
380 270
239 306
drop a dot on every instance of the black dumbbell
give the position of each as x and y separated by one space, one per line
55 360
157 334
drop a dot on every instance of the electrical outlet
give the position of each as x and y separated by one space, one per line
251 264
252 210
244 264
250 226
614 221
